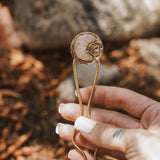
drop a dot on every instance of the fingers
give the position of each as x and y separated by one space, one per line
103 135
74 155
71 111
124 99
65 131
97 134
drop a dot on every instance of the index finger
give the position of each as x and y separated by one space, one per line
121 98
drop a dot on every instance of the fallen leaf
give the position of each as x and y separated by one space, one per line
25 78
16 58
60 151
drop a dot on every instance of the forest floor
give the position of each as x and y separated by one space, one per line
29 98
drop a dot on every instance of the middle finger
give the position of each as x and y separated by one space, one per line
70 111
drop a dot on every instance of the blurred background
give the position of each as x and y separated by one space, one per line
36 64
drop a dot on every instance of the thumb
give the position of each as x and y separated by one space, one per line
103 135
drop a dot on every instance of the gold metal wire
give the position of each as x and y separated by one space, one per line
93 87
81 107
81 104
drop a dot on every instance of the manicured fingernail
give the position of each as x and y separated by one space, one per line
65 108
84 124
60 108
69 154
58 127
75 93
72 153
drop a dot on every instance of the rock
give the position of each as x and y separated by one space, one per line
50 24
149 50
154 72
85 77
8 35
86 74
67 90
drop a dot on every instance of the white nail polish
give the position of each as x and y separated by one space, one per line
75 93
69 154
58 127
60 108
84 124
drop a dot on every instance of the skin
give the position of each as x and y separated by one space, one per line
122 136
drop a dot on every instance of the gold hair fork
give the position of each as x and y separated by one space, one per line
86 48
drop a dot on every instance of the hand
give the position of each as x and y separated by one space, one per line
134 137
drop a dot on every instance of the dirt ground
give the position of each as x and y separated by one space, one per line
29 98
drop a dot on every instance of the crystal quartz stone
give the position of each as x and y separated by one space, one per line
86 47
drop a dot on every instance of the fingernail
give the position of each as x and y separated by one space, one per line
69 154
58 127
60 108
66 108
84 124
75 93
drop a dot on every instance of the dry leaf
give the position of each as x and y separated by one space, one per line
20 158
24 79
117 54
3 146
18 105
60 151
18 126
16 58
